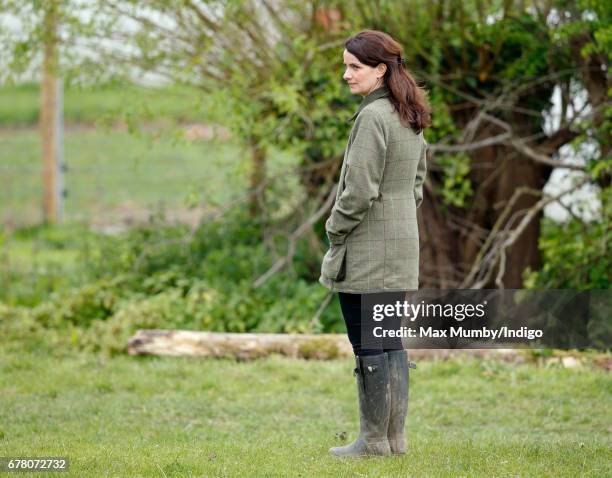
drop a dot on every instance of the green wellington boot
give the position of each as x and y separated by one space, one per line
398 384
372 375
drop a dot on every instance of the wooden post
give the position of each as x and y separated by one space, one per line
49 118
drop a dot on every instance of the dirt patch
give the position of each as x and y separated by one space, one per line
129 214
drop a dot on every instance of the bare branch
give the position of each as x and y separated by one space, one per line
541 158
458 148
324 303
502 241
304 227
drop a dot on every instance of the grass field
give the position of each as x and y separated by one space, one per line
277 417
114 175
111 172
20 104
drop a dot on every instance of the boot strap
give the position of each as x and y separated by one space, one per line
369 368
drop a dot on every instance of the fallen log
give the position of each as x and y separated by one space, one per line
246 346
243 346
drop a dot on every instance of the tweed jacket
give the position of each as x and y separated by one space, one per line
372 228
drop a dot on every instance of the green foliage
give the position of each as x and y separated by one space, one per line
456 187
591 20
169 277
81 306
576 255
33 262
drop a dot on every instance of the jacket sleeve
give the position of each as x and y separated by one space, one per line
420 175
364 171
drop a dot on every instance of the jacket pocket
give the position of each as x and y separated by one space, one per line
334 263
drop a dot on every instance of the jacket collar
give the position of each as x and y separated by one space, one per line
379 92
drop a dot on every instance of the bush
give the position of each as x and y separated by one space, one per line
575 255
164 276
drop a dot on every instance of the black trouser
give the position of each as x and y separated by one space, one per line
351 305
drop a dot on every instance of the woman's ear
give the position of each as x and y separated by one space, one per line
382 69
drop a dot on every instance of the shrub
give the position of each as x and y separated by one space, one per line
165 276
575 255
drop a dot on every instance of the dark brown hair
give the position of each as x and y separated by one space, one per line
372 47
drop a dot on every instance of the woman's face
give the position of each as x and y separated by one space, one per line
362 79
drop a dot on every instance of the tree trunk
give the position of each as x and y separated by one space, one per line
451 241
258 177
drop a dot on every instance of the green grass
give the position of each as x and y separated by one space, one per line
36 260
114 173
20 104
277 417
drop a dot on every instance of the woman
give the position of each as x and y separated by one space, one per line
372 229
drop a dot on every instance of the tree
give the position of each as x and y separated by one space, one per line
492 68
